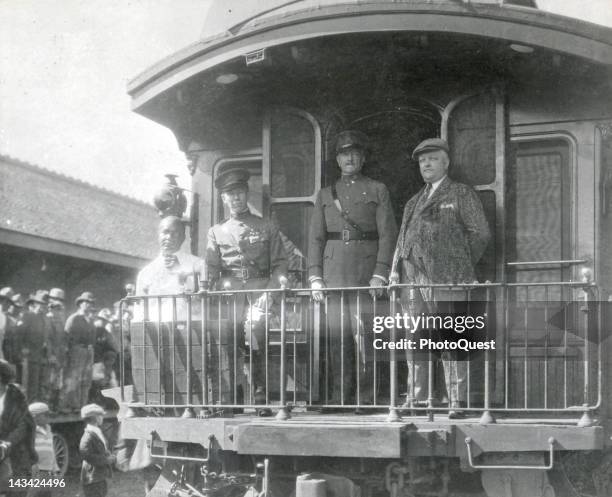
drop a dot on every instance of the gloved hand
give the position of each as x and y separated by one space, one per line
318 295
379 285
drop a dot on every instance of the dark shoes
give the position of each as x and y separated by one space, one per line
260 398
455 411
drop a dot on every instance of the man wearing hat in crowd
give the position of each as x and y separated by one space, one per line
444 234
81 336
351 244
245 252
56 346
6 294
30 337
10 346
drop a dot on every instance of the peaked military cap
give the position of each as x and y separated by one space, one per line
429 145
351 139
232 178
86 297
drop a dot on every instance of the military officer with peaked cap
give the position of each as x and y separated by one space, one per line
351 243
245 252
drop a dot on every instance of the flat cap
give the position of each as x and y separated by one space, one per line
351 139
86 297
38 408
40 297
7 293
91 410
57 294
232 178
17 300
429 145
106 315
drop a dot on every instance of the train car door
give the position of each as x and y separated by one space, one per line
291 179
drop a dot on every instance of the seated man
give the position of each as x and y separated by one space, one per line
245 252
172 273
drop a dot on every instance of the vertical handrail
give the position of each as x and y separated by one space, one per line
358 354
174 319
204 339
487 417
393 412
341 347
188 413
159 349
283 412
374 359
122 353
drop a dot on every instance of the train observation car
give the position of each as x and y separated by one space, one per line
524 99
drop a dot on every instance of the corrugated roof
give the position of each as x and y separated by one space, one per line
43 203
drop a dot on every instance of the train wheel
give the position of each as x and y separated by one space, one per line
60 447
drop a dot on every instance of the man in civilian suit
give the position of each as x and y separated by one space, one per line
444 234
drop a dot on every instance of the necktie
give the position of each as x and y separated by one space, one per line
170 261
428 190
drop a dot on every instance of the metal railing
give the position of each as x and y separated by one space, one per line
218 351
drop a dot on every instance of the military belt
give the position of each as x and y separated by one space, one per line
349 235
245 273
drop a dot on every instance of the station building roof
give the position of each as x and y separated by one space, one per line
46 211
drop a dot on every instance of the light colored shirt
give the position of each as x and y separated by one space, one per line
44 448
435 185
157 279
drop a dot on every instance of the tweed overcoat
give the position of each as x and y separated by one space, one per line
446 235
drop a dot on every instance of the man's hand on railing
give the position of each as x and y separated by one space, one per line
318 285
379 285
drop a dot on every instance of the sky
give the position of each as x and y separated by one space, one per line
64 67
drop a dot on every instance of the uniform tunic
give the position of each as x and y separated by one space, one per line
247 244
351 263
246 251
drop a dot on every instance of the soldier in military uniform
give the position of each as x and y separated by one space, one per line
351 243
245 252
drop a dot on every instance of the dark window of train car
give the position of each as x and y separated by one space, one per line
472 140
292 148
538 212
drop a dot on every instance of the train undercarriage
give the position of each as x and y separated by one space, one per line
416 456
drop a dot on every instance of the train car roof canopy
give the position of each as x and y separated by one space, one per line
224 15
483 29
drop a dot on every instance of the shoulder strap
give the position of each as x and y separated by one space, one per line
344 215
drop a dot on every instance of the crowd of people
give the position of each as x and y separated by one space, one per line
61 359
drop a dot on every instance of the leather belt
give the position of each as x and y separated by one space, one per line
245 273
348 235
